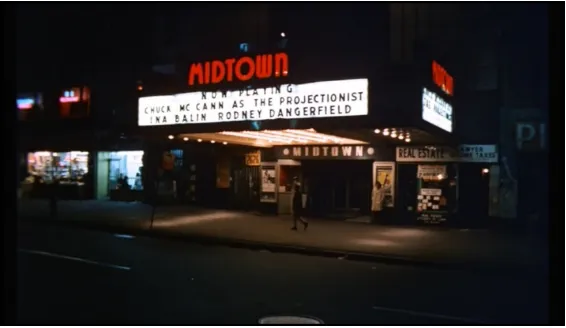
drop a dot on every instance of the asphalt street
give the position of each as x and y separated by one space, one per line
70 276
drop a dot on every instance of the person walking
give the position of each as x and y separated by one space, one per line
377 197
298 205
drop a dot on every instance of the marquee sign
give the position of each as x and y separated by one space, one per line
436 111
442 79
287 101
325 152
241 69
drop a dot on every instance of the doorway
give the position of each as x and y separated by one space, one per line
338 189
473 192
246 188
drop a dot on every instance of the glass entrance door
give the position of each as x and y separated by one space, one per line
338 188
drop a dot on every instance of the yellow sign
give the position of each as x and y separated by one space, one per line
253 158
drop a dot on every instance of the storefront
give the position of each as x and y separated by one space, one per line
70 169
449 186
119 175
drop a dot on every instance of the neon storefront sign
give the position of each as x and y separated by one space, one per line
69 96
25 103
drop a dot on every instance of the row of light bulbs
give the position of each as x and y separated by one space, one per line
285 136
171 137
393 133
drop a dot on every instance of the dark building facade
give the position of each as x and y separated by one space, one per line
393 49
397 57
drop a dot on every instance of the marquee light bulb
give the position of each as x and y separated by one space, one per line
385 132
408 140
186 139
376 131
171 137
199 140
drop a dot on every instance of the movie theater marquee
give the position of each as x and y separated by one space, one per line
287 101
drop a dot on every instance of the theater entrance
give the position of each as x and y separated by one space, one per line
334 171
337 189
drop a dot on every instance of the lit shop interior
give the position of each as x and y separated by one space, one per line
69 168
119 175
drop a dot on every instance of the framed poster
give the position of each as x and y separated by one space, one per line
268 179
384 172
268 184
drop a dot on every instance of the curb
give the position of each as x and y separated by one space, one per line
478 267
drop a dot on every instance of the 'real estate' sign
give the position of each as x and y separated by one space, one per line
465 154
288 101
325 152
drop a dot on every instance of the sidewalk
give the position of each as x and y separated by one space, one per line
458 248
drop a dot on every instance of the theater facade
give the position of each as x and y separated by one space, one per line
238 130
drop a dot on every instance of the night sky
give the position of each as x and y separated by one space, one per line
71 42
57 40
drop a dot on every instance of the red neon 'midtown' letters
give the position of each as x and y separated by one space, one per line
442 78
241 69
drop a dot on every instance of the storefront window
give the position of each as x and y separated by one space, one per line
67 167
435 193
125 170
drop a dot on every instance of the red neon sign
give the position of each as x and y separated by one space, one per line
69 99
442 79
231 69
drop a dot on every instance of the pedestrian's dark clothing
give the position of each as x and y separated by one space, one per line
298 208
297 203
